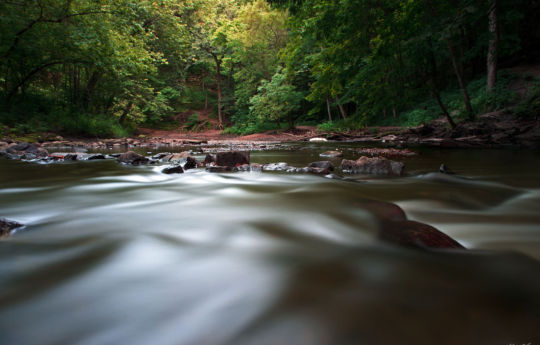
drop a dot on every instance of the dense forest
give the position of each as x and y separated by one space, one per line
104 67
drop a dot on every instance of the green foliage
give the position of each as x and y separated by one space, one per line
100 68
276 100
529 107
353 123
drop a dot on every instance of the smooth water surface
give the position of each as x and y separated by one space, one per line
117 254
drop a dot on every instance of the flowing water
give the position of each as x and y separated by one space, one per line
115 254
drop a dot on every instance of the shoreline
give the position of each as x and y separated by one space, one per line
489 131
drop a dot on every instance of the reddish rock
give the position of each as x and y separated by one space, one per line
232 159
415 234
132 158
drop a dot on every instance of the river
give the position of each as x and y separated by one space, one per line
115 254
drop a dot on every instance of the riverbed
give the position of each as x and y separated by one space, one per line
115 254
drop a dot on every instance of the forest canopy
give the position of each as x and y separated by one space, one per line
103 67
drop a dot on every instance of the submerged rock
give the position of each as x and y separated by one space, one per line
173 170
6 226
372 166
331 154
132 158
219 169
232 158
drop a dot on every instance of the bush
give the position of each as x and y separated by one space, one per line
352 122
252 127
98 126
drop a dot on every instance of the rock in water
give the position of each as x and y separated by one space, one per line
209 159
232 159
173 170
415 234
25 151
191 163
324 165
318 140
373 166
331 154
394 227
132 158
6 226
96 156
443 169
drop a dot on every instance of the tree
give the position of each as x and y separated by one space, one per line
276 99
493 47
211 26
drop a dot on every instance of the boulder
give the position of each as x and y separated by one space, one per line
325 165
73 156
414 234
232 158
318 140
394 227
132 158
161 155
173 170
191 163
331 154
209 159
96 156
374 152
372 166
25 151
282 166
6 226
178 157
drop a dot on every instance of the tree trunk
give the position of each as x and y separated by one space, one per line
493 48
205 95
459 76
341 110
435 88
394 112
90 87
218 82
328 108
455 64
437 97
